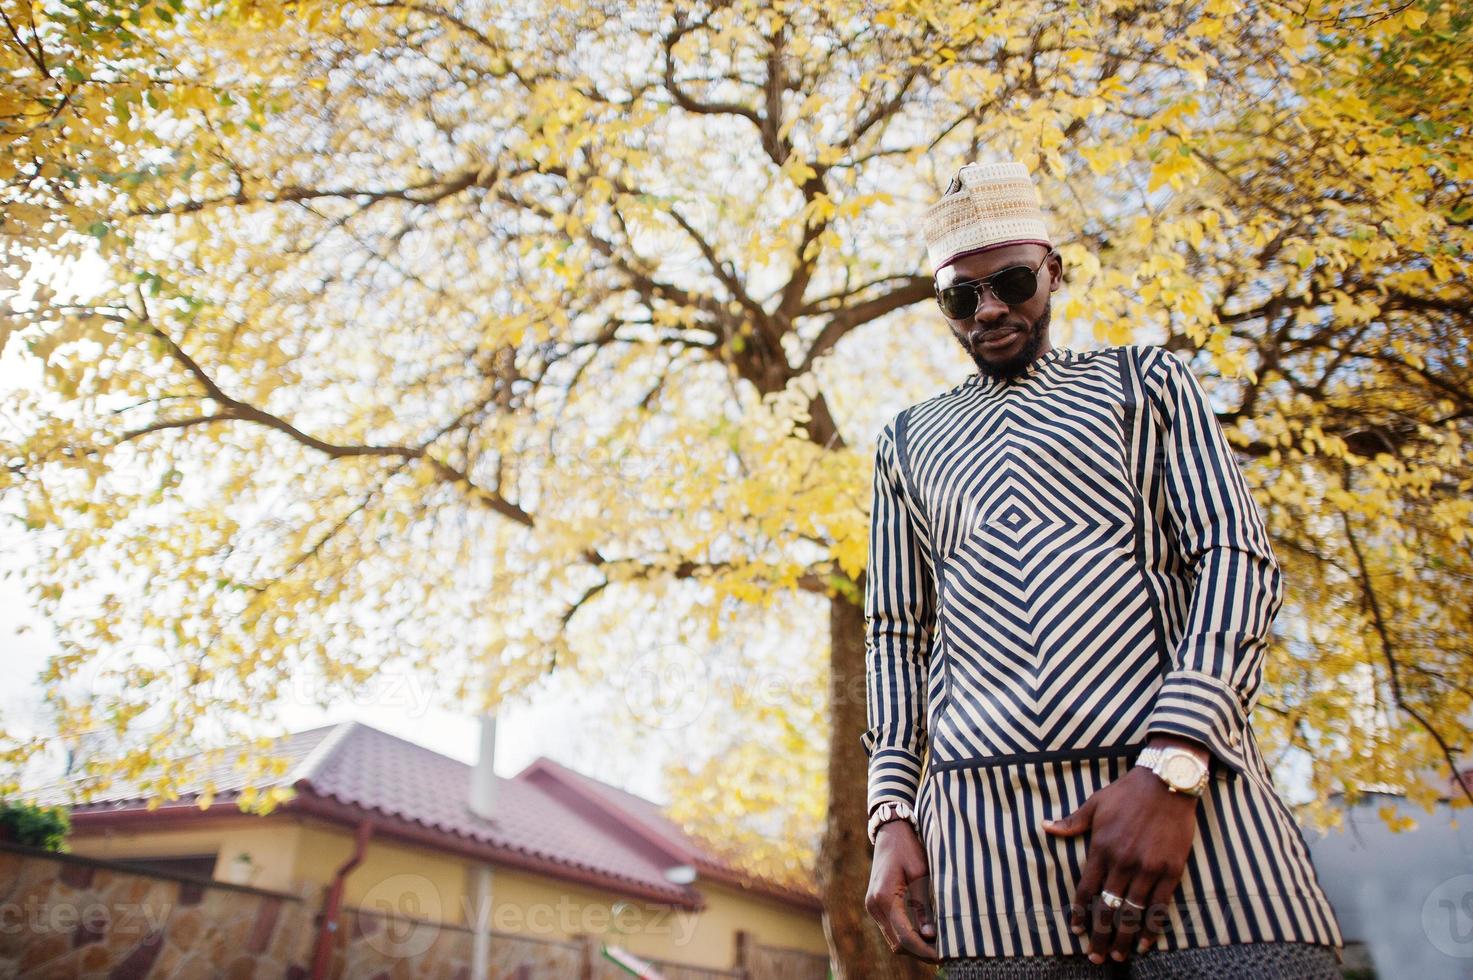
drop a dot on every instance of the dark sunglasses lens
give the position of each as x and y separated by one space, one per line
958 302
1012 286
1016 285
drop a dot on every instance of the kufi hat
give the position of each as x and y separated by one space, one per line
985 206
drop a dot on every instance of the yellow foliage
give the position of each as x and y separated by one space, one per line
417 367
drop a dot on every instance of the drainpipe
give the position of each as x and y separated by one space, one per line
481 939
328 924
482 804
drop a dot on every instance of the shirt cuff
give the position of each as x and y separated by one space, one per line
894 771
1202 708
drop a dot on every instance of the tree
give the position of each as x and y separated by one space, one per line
438 338
1338 287
45 827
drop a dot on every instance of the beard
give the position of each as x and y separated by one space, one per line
1014 366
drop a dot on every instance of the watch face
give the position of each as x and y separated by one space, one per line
1182 771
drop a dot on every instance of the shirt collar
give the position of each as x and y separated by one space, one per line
1056 354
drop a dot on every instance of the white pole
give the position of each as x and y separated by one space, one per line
481 944
483 804
483 776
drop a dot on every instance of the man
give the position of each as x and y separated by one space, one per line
1069 598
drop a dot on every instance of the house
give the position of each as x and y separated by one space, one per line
385 827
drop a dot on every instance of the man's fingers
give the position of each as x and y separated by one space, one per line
1084 895
1074 824
891 914
1102 919
1158 913
919 900
910 940
1129 919
887 931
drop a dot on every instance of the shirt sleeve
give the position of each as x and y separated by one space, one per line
899 611
1217 664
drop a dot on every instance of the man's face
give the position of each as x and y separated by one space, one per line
1020 332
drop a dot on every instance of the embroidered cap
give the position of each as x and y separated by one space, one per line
985 205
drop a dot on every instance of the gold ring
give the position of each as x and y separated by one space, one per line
1111 900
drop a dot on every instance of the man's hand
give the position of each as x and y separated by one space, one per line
896 887
1141 837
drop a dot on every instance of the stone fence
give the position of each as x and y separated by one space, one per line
63 916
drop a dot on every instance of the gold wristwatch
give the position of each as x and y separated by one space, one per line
1180 770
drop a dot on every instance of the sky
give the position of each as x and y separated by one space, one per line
551 726
565 723
560 721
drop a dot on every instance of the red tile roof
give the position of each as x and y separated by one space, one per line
548 818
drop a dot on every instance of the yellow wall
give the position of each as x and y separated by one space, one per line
291 853
271 845
549 909
773 923
393 878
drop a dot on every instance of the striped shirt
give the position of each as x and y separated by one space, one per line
1061 565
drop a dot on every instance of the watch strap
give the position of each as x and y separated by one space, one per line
1154 756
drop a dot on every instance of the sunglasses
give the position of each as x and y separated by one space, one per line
1013 285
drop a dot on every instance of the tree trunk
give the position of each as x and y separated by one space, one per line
855 944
